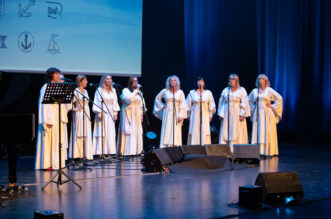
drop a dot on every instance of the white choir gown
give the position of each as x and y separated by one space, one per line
232 130
81 128
165 99
266 122
208 110
109 132
130 137
47 147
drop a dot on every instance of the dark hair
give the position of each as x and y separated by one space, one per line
130 81
201 78
50 72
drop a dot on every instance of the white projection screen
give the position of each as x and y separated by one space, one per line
77 36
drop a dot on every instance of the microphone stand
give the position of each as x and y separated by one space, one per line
200 114
229 117
73 163
102 122
84 131
144 110
174 115
258 116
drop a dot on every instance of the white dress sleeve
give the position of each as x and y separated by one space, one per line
158 105
277 106
211 104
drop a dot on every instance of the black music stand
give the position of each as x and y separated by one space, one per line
59 93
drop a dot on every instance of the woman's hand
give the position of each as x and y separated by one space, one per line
241 118
180 119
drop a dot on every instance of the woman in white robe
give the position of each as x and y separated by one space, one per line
81 132
47 147
130 137
107 117
269 105
172 119
233 108
193 100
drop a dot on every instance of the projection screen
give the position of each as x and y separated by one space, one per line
76 36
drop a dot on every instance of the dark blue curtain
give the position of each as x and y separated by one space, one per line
287 40
294 50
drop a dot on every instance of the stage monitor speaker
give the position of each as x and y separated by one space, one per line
218 150
279 186
158 159
48 214
202 164
175 153
251 196
193 149
246 152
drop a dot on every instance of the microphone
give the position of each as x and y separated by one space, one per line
172 85
65 79
116 84
93 85
199 84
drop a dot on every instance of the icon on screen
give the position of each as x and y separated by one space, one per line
23 11
2 8
54 9
2 42
53 46
25 41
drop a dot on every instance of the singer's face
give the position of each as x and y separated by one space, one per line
262 82
84 82
108 81
56 76
135 82
232 81
201 83
61 79
173 82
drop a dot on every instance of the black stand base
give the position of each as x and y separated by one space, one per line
59 179
79 165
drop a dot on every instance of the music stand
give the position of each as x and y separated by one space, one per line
59 93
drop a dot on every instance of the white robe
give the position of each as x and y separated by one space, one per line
76 149
193 109
239 106
130 137
166 115
47 152
109 132
267 120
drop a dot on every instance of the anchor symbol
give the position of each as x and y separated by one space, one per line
25 45
25 41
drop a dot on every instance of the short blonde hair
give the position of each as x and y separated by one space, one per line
101 84
236 78
167 85
265 77
80 78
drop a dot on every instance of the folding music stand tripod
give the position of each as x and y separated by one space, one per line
59 93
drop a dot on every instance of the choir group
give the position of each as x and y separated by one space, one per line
263 105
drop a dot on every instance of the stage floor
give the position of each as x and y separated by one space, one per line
122 190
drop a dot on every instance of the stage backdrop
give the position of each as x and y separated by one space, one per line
78 36
287 40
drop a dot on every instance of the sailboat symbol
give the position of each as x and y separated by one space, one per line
53 47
